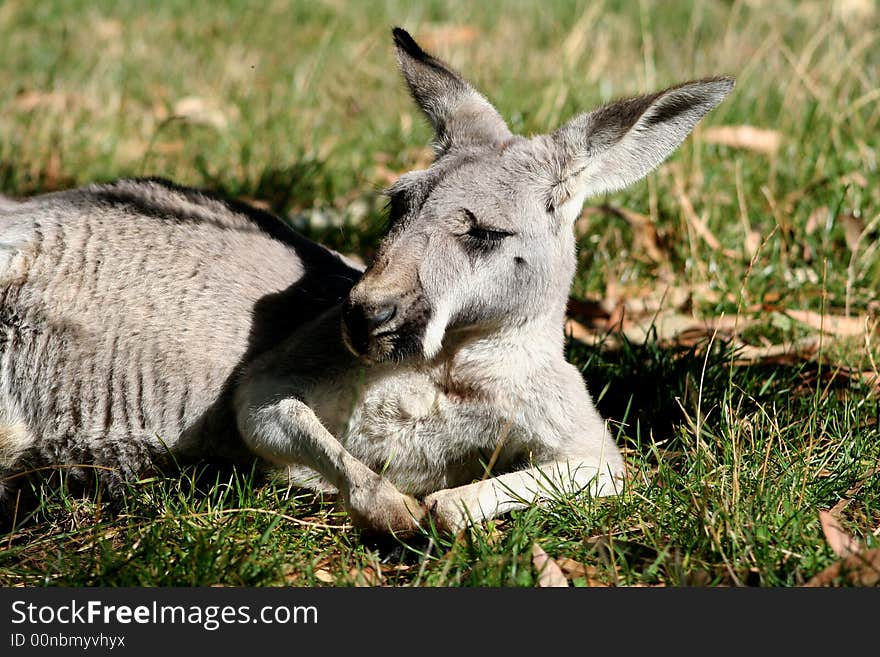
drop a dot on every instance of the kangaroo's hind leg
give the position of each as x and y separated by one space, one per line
453 509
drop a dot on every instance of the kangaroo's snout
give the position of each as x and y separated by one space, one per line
378 325
361 321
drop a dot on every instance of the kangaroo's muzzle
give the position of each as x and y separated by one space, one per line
361 322
385 328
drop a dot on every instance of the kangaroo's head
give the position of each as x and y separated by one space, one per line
484 238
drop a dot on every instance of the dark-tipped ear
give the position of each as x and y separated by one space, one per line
620 143
460 116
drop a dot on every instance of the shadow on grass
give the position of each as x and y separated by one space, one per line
293 186
203 526
650 390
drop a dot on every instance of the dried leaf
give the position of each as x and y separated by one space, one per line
669 326
752 242
617 317
645 237
831 324
365 576
681 328
855 11
442 35
29 100
853 178
697 222
323 575
862 569
646 303
852 229
262 204
817 219
576 570
106 28
494 535
413 158
549 573
53 169
395 568
290 573
647 241
777 354
844 502
840 542
579 332
200 110
168 147
748 137
571 568
699 226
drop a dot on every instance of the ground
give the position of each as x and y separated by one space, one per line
724 311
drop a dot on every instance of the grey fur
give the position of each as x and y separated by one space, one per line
143 323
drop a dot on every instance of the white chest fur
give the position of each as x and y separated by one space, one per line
407 424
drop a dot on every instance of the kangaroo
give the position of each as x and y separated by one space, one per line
144 324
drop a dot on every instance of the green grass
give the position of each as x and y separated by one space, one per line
298 106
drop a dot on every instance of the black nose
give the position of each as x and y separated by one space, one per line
361 321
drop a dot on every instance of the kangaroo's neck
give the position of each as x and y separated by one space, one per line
482 362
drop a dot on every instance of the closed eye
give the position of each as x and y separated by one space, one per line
483 234
487 234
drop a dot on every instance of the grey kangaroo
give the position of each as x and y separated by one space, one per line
144 324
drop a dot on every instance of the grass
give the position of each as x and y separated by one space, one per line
298 107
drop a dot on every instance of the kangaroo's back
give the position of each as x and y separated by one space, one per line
126 312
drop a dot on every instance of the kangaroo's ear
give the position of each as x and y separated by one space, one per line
616 145
460 116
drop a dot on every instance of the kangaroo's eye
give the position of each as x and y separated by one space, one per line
487 235
483 235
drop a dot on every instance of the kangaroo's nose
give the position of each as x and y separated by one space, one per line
361 321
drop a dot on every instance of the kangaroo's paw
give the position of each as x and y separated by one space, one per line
376 506
448 511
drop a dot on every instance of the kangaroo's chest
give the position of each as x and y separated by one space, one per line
415 428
